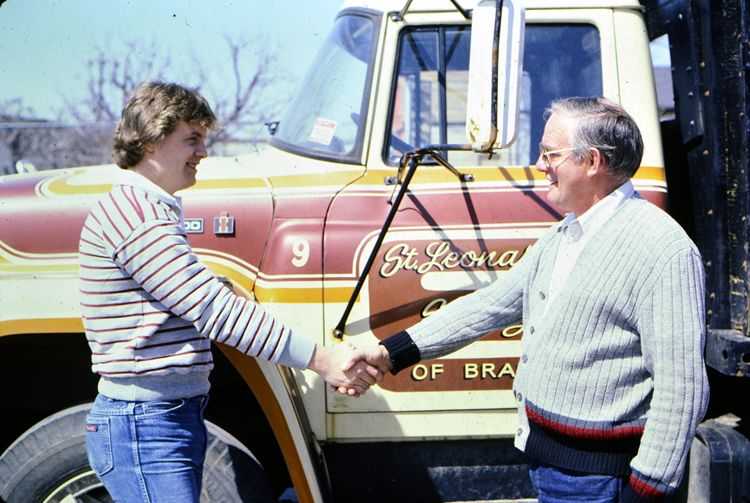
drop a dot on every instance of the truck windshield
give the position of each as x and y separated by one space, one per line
326 119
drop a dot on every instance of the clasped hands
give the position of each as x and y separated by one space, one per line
351 370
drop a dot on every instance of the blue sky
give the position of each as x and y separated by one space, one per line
44 44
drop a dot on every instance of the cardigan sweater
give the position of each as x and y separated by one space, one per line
150 308
611 379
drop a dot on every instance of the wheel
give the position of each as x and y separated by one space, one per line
48 464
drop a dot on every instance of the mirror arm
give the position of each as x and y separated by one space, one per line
465 13
412 159
434 152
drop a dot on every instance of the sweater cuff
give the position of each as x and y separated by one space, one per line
402 351
297 352
637 491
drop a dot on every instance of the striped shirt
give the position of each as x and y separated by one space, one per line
150 308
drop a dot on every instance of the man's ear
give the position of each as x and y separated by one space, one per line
598 162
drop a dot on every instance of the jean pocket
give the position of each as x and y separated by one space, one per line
99 444
161 407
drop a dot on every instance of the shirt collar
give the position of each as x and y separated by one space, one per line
130 177
573 227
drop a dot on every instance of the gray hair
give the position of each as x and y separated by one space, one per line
607 127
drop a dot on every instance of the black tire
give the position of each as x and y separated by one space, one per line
48 464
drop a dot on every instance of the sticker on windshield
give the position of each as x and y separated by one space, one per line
322 131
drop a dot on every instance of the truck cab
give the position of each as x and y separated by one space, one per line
293 227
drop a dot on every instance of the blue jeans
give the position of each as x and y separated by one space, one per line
556 485
148 452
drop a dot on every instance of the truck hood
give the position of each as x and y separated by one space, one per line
41 213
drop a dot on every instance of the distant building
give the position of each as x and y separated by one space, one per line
46 144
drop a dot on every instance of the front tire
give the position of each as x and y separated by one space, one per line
48 464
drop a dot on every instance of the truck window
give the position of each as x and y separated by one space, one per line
429 95
326 119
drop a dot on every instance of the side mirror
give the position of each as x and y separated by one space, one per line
495 67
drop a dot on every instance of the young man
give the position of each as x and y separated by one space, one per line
151 310
611 383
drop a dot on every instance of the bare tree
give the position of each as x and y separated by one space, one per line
243 111
241 100
245 90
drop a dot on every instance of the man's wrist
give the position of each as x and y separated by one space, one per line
319 361
402 352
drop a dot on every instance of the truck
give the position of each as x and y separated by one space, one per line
378 201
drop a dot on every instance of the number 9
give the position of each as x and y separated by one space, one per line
301 251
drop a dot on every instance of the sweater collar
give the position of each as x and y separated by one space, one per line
130 177
574 227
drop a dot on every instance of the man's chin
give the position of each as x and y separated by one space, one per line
553 194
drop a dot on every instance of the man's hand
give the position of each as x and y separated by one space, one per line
377 356
345 368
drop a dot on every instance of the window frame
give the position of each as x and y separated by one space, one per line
596 19
356 156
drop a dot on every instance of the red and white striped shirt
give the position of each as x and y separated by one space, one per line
150 308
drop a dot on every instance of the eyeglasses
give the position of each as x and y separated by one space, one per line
549 155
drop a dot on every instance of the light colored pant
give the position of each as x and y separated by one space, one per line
148 452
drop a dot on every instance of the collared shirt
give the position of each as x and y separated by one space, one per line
135 179
577 231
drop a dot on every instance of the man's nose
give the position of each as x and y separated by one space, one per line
201 151
540 165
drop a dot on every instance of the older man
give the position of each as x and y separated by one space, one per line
611 383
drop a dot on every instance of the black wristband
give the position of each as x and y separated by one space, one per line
402 351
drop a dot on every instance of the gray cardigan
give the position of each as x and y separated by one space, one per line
612 378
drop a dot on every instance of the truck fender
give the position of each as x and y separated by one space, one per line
276 391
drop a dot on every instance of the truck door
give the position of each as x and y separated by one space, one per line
449 237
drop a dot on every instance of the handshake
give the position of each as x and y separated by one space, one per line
351 370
